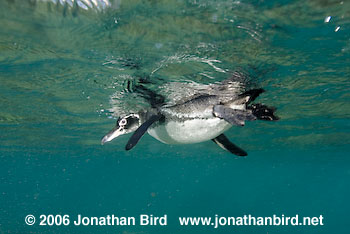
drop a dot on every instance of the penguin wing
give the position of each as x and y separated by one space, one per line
225 143
141 130
233 116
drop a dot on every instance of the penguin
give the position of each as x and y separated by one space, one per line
198 118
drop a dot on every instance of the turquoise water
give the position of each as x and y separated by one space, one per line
60 66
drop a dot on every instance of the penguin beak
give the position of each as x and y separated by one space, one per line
114 133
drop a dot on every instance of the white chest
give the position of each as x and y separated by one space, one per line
189 131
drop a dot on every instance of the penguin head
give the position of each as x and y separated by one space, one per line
124 125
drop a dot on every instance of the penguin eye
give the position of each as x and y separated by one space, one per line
122 122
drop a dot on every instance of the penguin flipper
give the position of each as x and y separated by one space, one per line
233 116
226 144
141 130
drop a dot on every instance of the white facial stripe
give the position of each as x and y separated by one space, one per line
132 115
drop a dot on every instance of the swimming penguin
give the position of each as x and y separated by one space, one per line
201 117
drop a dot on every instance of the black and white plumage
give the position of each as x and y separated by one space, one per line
198 118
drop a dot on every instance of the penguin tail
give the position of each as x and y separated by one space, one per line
260 111
252 94
263 112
